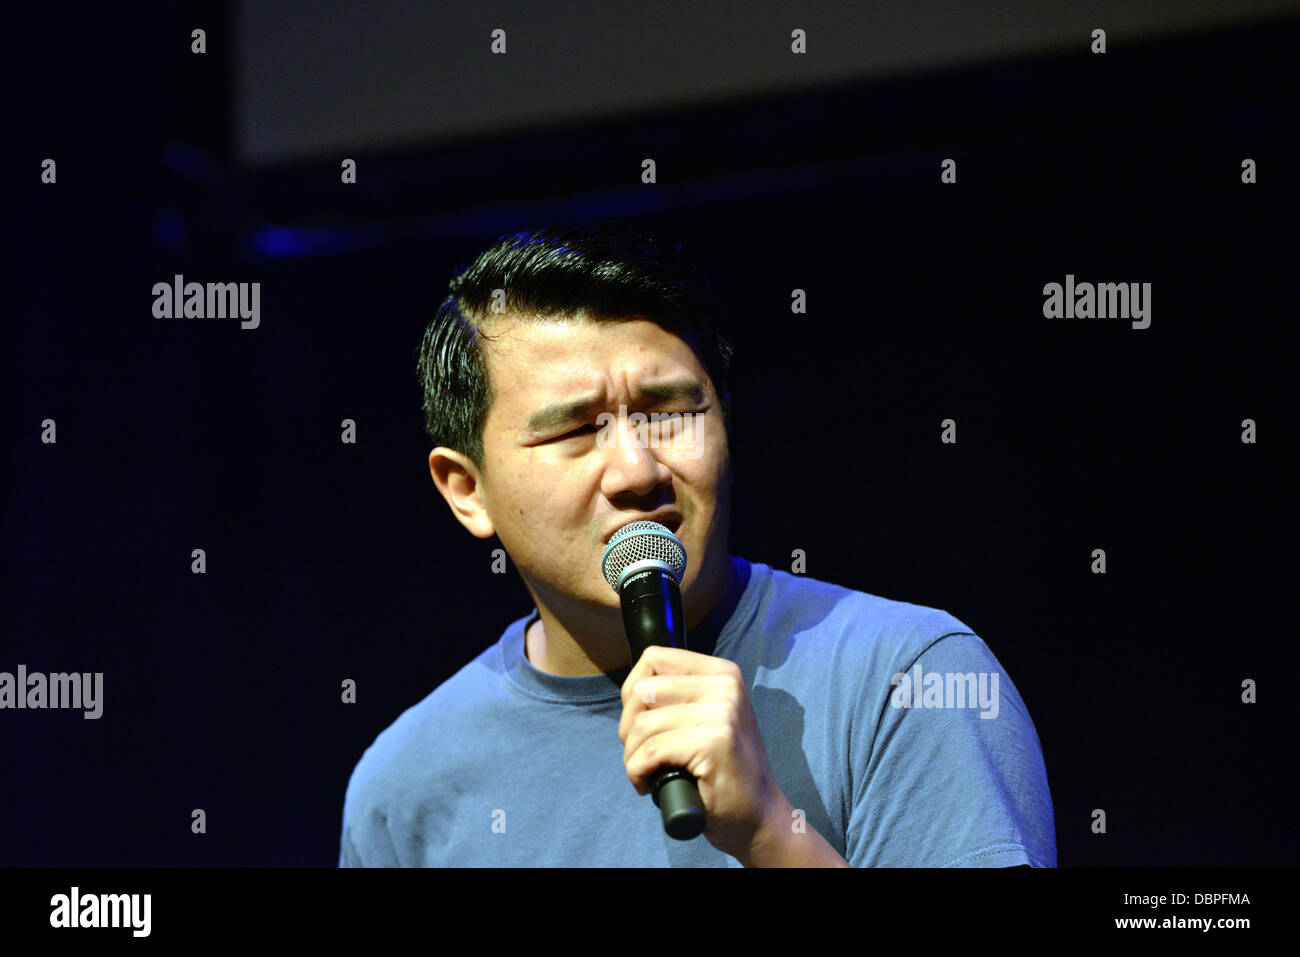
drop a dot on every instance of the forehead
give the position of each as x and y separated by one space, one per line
532 360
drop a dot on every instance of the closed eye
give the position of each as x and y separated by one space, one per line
671 420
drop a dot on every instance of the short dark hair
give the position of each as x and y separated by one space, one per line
606 271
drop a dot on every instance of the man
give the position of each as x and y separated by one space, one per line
807 712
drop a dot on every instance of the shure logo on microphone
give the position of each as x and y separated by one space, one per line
214 300
102 910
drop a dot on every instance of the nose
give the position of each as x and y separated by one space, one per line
632 467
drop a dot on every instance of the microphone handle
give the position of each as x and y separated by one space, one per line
652 615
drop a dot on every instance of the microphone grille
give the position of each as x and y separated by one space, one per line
638 542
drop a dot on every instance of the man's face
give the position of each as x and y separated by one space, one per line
559 478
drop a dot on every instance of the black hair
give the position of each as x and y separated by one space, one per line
605 271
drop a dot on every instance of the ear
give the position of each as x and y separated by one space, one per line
459 482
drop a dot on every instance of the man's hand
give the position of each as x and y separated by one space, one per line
684 709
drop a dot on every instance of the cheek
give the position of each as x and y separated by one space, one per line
552 487
711 465
518 496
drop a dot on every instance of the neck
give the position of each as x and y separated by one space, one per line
575 639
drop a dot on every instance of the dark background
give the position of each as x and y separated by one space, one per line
328 561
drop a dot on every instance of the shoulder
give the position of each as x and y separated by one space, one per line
402 754
823 617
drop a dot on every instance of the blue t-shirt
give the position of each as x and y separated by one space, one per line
504 765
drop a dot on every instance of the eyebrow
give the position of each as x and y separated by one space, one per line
552 417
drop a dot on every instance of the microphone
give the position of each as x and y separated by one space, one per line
644 562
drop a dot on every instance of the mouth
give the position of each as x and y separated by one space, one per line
669 519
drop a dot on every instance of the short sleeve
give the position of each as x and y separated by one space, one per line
365 840
348 856
953 775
